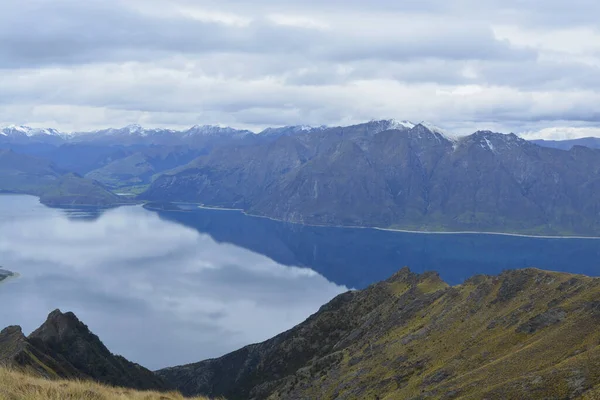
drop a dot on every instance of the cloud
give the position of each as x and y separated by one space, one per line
87 65
562 133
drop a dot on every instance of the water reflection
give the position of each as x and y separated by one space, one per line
154 291
359 257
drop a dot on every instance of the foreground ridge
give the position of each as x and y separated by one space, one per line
63 347
526 334
17 385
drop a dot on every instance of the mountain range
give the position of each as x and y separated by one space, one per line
387 174
591 142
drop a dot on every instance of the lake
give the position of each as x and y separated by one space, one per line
166 288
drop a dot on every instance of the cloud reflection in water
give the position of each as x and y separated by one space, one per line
154 291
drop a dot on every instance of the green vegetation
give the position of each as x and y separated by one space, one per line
16 385
131 190
71 189
63 347
526 334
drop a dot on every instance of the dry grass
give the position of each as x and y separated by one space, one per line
18 386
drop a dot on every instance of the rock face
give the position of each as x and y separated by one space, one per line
63 347
526 334
406 177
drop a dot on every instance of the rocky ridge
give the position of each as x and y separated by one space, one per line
526 334
63 347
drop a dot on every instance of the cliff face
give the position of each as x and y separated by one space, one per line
526 334
63 347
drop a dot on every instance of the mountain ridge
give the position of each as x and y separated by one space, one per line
64 347
20 173
418 180
525 334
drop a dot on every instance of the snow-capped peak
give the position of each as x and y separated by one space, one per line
434 128
12 130
439 131
134 128
18 128
395 124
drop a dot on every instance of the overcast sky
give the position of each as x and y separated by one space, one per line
531 67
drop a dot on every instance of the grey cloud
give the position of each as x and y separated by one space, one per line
83 32
79 65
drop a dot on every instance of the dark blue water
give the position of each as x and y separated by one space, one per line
359 257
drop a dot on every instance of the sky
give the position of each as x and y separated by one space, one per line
529 67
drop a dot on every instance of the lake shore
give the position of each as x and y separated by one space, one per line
204 207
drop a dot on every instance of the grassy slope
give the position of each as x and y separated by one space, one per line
525 334
467 344
18 386
71 189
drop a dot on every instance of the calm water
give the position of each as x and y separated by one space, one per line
173 287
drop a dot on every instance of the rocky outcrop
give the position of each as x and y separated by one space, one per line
63 347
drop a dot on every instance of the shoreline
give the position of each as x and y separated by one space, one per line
11 275
201 206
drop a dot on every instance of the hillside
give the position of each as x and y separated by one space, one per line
139 167
525 334
16 385
21 173
63 347
407 178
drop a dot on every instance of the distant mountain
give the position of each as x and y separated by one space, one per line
591 142
526 334
27 135
290 130
197 136
63 347
139 167
415 177
39 177
127 136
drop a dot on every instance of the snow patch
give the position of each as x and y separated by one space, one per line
28 131
489 145
439 131
395 124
